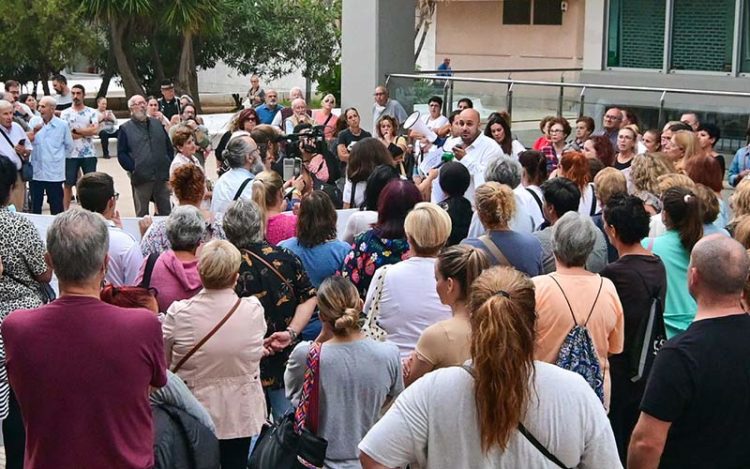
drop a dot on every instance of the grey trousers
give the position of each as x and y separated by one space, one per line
158 191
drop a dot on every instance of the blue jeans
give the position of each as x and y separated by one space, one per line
280 405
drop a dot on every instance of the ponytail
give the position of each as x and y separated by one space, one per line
339 304
684 214
266 188
502 306
463 264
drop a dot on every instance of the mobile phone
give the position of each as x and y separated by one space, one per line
291 168
22 141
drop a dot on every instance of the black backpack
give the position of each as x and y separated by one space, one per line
649 338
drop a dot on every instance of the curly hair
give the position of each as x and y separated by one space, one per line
646 169
740 200
180 135
609 182
668 181
604 151
188 182
502 305
496 204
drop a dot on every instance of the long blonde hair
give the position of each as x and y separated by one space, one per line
339 304
267 187
502 305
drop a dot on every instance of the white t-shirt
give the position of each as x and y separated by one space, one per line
534 209
125 257
515 148
434 424
82 147
588 197
434 124
409 302
522 221
359 193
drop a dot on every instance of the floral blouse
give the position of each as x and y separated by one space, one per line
279 303
369 252
155 239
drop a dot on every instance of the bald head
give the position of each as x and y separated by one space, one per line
468 122
381 95
721 266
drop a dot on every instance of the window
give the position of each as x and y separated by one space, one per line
702 35
542 12
636 33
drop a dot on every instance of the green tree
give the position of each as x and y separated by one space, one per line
42 38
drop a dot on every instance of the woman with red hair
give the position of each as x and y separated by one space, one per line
599 147
706 170
575 166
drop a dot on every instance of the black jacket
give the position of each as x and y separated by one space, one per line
181 441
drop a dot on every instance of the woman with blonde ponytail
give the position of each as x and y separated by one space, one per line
486 414
357 374
496 207
269 195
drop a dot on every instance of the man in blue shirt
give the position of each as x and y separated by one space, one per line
53 142
445 68
267 111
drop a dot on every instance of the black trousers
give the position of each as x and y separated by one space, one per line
234 453
14 435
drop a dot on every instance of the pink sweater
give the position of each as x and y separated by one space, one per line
280 227
173 279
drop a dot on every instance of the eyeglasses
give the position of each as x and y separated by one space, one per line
329 101
116 195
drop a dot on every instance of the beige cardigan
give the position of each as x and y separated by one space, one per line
224 373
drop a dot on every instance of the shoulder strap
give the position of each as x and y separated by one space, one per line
354 192
537 199
150 263
526 433
207 336
327 119
601 282
6 137
308 403
593 200
273 269
532 439
495 251
242 188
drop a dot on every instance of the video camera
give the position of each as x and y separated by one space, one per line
291 141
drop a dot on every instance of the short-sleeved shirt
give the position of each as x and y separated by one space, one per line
280 227
321 261
82 368
279 303
346 137
434 423
446 343
554 318
523 251
22 254
82 147
370 252
700 383
679 305
356 378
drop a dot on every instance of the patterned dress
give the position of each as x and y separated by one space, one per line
279 303
369 252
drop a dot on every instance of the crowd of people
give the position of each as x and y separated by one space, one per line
578 304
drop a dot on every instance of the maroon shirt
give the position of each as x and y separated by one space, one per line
80 369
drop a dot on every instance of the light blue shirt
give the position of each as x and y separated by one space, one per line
228 185
52 144
321 261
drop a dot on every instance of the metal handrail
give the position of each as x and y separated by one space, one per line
502 70
449 80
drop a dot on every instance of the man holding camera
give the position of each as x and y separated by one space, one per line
83 125
15 145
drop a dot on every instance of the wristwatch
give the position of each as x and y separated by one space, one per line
292 334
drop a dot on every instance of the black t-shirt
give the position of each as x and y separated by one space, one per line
346 137
622 166
701 383
169 108
459 209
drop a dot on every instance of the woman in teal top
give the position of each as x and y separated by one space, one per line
683 217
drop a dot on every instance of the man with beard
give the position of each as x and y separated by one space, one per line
243 156
64 98
83 125
145 152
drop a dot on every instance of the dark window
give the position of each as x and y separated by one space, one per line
517 12
547 12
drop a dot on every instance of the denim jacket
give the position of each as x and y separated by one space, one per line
740 162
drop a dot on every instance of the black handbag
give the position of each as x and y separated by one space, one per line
289 443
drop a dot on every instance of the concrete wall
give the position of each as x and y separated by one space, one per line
472 33
377 39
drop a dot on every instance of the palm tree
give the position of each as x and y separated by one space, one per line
121 16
